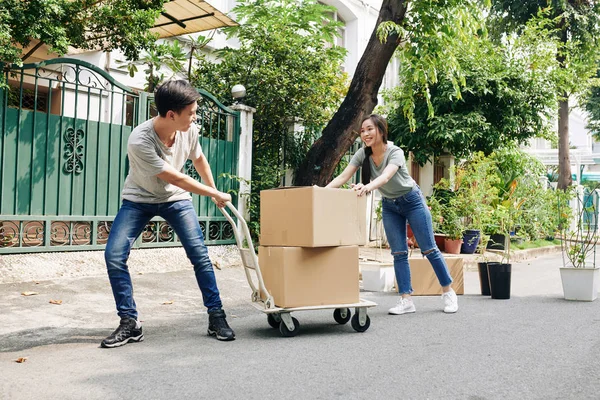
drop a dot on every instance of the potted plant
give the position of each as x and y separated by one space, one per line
483 266
507 213
475 191
453 229
580 276
435 208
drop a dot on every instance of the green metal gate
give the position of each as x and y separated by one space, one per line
64 125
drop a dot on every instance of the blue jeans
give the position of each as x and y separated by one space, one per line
129 224
396 212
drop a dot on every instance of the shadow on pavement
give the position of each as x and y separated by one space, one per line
28 339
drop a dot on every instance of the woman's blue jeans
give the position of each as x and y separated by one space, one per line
396 212
129 224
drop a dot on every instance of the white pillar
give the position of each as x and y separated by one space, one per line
245 158
426 178
448 161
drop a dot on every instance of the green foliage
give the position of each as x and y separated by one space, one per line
573 35
167 55
432 34
436 209
475 187
503 99
535 244
292 75
579 244
573 26
592 106
572 30
452 224
539 215
84 24
499 194
513 164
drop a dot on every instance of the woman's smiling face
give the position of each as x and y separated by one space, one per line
369 133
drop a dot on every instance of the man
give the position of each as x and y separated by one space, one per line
157 151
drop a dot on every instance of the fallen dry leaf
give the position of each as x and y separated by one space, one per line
140 273
57 302
29 293
217 265
168 302
21 360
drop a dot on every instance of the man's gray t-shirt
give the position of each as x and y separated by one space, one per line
400 183
148 157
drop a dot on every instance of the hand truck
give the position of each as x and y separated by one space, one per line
280 317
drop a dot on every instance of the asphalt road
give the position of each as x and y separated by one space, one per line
534 346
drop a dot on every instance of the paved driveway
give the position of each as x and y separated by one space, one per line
534 346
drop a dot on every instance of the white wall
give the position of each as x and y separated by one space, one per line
579 136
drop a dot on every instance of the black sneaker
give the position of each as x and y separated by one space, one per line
217 326
125 333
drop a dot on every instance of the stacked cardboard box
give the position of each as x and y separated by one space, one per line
309 245
424 281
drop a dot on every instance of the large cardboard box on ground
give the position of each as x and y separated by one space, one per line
424 280
312 217
300 276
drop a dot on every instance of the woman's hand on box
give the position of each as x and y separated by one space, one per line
361 189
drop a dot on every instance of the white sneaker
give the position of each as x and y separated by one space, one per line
404 306
450 301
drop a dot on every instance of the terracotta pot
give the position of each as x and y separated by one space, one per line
452 246
439 241
410 237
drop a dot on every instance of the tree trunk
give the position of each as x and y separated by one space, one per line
564 162
343 129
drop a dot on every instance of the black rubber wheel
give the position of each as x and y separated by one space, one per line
274 320
357 326
337 315
285 332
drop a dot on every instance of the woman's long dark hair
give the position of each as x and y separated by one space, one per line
382 126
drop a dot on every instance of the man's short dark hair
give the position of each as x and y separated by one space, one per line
175 96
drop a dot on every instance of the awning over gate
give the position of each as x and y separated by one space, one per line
179 17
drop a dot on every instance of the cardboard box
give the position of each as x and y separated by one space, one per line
299 276
312 217
425 282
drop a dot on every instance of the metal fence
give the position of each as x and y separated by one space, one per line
64 126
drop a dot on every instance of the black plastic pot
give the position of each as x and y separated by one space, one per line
517 240
499 276
484 281
470 241
496 242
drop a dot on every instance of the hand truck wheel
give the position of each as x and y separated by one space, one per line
274 320
356 324
285 332
342 315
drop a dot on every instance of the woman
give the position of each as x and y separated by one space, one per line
384 168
